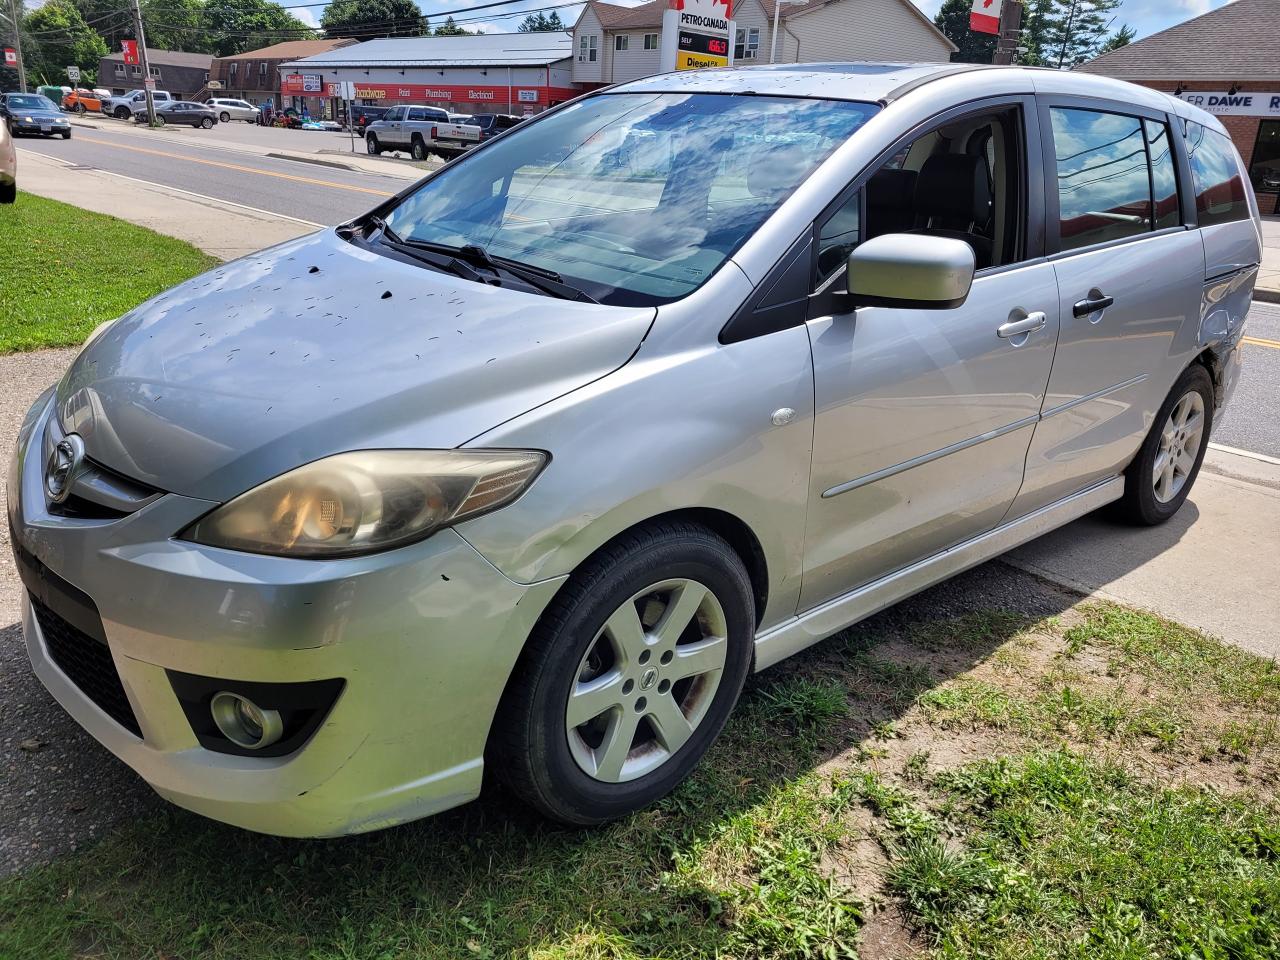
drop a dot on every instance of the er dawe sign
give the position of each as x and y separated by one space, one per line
697 34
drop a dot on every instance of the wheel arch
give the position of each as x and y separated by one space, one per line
1212 362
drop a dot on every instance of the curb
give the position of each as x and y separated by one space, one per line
1266 295
337 165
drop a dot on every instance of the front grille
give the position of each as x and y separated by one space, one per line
87 663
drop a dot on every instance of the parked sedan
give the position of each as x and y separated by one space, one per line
34 114
8 167
181 111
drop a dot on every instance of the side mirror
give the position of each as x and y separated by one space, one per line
911 270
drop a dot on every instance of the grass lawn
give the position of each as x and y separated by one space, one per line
64 270
1095 784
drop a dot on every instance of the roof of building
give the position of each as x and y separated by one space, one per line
614 17
493 49
293 49
1240 41
171 58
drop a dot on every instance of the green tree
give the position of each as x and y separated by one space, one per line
953 21
370 19
451 29
239 25
177 25
55 37
541 23
1072 31
1121 38
109 19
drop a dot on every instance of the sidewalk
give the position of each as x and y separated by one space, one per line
1213 566
1268 285
218 227
327 149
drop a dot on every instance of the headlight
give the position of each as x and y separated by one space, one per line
27 120
366 501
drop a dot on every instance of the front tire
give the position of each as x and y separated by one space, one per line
629 676
207 123
66 134
121 113
1161 476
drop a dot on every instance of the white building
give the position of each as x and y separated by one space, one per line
612 43
494 73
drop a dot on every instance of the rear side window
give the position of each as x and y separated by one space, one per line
1220 196
1104 187
1164 179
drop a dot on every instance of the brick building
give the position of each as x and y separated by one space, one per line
255 74
182 74
1227 62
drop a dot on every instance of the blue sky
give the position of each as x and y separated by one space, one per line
1146 16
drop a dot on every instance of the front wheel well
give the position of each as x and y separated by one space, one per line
1209 360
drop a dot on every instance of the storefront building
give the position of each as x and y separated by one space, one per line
520 73
1228 63
254 76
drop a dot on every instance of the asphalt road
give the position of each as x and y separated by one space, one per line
1252 422
305 191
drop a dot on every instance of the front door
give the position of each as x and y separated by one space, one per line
923 417
1129 279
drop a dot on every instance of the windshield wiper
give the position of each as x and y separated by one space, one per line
548 281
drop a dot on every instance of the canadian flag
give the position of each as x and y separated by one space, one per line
130 50
10 57
984 16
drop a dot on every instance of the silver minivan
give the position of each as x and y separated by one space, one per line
529 467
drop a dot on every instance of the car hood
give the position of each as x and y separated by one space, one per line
317 347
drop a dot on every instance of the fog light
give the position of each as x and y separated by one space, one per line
243 722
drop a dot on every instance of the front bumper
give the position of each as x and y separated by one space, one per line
40 126
424 637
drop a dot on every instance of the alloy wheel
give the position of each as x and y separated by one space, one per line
647 680
1179 447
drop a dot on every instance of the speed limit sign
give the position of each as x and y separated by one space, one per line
73 74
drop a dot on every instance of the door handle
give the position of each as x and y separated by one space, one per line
1016 328
1092 305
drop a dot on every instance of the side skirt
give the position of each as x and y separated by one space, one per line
808 628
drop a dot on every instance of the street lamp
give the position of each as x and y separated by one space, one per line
773 39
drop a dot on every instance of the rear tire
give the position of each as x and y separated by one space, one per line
673 691
418 149
371 144
1158 481
224 117
8 192
80 108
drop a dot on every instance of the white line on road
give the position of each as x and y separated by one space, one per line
161 187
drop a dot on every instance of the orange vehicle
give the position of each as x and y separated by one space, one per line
83 101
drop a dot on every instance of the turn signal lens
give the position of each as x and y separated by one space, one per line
367 501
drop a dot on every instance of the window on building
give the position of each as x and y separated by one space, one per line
262 68
651 41
155 72
1218 183
120 70
232 73
620 41
135 70
587 49
1264 168
1104 186
591 53
746 45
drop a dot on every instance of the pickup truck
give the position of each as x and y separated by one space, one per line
126 105
420 130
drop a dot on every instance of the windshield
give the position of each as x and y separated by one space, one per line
29 102
633 198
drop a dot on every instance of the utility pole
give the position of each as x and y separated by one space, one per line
1010 31
146 64
17 44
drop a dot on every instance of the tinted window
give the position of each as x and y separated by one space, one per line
837 238
417 113
636 198
1104 192
1219 186
1164 180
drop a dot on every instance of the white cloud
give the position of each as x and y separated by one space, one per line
306 15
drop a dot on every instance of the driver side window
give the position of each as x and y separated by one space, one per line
962 180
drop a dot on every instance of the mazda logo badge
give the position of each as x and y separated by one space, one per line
62 466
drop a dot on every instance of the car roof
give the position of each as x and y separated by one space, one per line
884 83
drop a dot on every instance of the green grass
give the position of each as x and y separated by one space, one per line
63 271
1029 809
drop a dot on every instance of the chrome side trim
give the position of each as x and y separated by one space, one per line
1060 408
803 631
929 457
